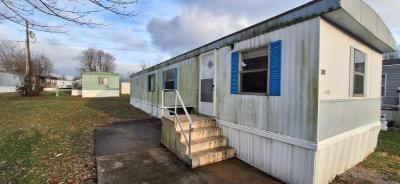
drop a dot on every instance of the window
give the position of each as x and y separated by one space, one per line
152 83
103 81
169 82
359 60
254 71
383 85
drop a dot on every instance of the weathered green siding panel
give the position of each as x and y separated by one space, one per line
90 81
187 86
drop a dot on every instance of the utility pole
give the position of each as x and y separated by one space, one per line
28 52
28 77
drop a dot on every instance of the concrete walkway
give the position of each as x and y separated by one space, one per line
131 152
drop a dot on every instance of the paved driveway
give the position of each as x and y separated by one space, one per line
131 152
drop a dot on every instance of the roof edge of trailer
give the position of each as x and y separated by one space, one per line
101 73
345 14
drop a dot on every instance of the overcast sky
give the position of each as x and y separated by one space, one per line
166 28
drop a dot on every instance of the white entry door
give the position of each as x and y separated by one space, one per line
207 83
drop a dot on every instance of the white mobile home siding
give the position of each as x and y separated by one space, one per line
334 94
8 82
310 133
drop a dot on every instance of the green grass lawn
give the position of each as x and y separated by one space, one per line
382 166
386 157
49 139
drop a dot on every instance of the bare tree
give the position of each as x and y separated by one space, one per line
144 65
79 12
96 60
12 58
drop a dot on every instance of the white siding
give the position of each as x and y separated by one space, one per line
338 110
294 113
8 82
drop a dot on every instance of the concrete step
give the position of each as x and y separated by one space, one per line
199 123
206 144
200 133
211 156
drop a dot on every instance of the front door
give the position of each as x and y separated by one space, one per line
207 83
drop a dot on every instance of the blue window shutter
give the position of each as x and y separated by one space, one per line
234 72
175 78
275 50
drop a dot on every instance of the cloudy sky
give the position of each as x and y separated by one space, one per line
164 29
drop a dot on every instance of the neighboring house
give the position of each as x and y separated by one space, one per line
52 82
100 84
49 82
391 91
125 88
390 83
64 84
9 81
297 96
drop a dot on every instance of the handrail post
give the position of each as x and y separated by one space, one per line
175 111
162 103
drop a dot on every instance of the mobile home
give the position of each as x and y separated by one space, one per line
297 96
100 84
9 81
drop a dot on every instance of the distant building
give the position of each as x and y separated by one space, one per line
99 84
9 81
125 88
390 83
51 82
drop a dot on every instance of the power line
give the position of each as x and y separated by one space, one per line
82 46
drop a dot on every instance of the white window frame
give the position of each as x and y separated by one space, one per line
258 70
384 85
351 89
102 81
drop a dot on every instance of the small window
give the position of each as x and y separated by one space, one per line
152 83
103 81
254 71
169 81
359 73
383 85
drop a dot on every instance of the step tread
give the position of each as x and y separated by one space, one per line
201 129
184 118
210 151
207 139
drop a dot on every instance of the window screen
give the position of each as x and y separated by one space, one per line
359 73
254 71
151 83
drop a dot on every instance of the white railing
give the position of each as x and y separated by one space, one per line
178 97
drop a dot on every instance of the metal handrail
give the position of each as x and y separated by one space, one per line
176 117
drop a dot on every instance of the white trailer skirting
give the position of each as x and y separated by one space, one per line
100 93
297 161
7 89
